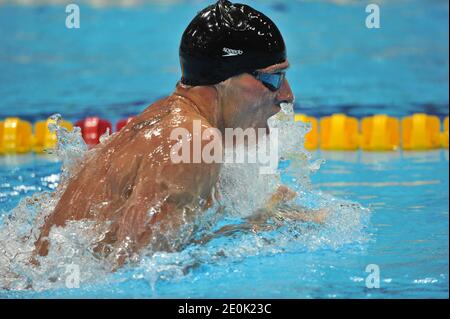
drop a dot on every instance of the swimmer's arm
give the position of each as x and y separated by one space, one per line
267 220
276 213
287 212
278 206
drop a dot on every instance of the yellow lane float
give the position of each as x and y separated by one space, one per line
312 137
421 132
444 136
339 132
380 133
44 138
16 136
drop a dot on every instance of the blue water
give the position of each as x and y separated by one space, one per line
122 59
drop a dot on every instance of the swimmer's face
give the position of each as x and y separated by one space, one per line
249 103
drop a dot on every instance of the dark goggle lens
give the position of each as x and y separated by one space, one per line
272 81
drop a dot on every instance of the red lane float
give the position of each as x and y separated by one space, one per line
120 125
92 128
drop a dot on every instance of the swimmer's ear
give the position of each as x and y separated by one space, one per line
226 83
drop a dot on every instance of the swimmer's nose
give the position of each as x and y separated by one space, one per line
285 94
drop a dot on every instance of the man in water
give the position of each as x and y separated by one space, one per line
233 62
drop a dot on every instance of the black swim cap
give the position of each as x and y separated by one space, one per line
227 39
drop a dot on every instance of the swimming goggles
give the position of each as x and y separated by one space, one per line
272 81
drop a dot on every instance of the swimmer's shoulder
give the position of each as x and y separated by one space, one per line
179 112
165 115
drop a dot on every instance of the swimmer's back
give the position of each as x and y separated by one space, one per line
133 172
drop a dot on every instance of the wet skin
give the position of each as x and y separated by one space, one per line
131 181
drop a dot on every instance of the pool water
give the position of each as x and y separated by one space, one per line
123 58
407 237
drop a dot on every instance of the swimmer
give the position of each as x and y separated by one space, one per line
233 62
